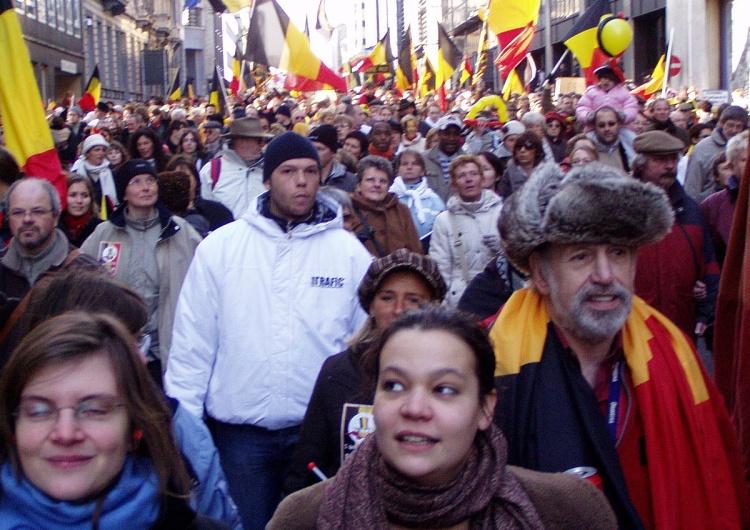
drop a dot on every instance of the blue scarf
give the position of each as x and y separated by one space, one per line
132 503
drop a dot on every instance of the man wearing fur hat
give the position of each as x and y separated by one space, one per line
266 300
234 175
678 275
590 375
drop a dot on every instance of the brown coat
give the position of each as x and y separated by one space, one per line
563 502
390 222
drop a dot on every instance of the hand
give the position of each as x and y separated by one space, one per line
700 329
492 242
699 290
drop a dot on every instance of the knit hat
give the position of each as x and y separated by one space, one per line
92 141
400 260
103 106
287 146
130 170
590 204
327 135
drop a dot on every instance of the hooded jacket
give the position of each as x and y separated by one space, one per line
260 310
174 251
699 182
237 183
472 225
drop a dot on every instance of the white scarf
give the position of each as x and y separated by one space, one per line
101 174
413 196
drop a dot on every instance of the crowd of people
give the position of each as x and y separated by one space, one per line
372 312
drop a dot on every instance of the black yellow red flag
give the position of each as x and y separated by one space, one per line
175 90
405 65
27 134
273 40
514 23
449 58
93 92
217 93
582 40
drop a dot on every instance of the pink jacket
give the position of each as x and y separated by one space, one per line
619 98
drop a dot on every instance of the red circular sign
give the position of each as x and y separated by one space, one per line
675 66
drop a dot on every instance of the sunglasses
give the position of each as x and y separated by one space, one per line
527 145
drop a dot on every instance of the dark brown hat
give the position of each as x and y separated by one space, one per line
400 260
657 143
246 128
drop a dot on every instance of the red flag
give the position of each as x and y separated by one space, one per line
27 134
514 22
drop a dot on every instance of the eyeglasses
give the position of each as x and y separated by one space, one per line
527 145
35 213
467 174
92 410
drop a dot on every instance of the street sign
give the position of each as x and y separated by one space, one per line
675 66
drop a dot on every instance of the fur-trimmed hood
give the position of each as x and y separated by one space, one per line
591 204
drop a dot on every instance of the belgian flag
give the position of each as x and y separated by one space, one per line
188 91
405 65
217 93
380 58
514 22
273 40
449 59
93 92
427 79
583 41
27 134
175 91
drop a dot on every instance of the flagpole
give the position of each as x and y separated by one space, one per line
557 65
667 63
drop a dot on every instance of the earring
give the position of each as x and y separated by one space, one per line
137 436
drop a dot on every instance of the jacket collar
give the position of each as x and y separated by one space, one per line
168 226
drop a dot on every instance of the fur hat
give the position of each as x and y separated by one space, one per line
590 204
287 146
400 260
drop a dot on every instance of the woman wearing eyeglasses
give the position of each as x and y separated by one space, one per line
527 154
85 436
465 236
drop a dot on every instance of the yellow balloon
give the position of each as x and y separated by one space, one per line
615 35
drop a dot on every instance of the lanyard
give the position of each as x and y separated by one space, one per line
613 403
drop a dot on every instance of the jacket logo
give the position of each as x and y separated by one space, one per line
327 282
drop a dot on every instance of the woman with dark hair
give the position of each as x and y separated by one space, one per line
81 215
492 169
10 172
400 281
191 145
357 144
436 459
528 153
383 224
146 145
214 212
85 435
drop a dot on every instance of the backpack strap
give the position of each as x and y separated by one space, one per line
215 171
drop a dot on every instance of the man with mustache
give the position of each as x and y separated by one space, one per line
679 275
589 376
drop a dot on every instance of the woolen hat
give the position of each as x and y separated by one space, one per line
130 170
400 260
327 135
92 141
513 127
287 146
657 143
283 109
591 204
247 127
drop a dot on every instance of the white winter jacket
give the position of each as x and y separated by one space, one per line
237 185
259 312
471 226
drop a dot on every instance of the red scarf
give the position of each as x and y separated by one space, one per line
76 224
388 155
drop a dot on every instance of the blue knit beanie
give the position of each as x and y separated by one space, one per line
285 147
